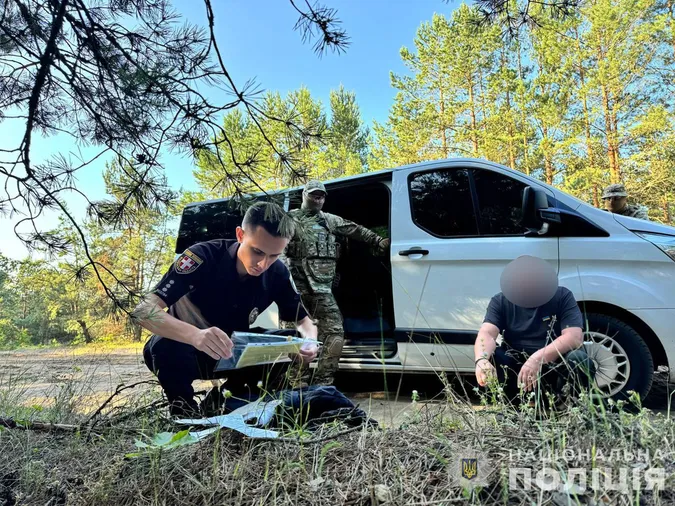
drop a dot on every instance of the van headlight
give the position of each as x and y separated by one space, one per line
666 243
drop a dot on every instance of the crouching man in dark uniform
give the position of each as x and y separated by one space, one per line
215 288
541 326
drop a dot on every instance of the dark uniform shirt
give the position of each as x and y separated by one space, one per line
203 288
527 328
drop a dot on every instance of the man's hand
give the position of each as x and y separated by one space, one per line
529 373
212 341
484 372
307 353
384 244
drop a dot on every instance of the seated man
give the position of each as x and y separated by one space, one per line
215 288
541 325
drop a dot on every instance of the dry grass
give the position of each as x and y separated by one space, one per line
415 462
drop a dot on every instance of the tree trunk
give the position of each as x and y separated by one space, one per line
667 217
474 129
85 331
444 135
610 118
615 141
609 134
587 123
671 10
523 118
138 332
512 155
481 91
596 196
548 164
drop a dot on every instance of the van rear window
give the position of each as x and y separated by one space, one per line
210 220
216 219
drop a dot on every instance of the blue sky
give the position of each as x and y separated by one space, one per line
258 42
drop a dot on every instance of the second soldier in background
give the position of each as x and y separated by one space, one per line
312 259
616 201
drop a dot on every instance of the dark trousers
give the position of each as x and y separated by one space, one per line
574 368
177 365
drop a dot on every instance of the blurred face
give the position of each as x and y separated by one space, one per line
314 201
615 204
259 249
529 282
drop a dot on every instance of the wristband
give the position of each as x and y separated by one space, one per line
481 358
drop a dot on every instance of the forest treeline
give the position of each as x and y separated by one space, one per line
579 103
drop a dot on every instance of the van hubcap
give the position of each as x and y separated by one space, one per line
612 367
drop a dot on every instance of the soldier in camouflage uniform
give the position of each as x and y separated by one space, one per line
312 258
615 198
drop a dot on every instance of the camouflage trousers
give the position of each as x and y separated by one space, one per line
323 308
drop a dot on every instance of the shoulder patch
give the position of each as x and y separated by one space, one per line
187 263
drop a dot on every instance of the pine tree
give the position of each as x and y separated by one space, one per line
651 167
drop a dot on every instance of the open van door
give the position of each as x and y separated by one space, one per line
455 226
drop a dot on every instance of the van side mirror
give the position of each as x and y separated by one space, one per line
536 213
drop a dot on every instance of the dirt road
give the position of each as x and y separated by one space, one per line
87 376
38 378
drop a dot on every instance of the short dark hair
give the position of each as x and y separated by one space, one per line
271 217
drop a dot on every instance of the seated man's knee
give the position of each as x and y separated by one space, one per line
161 353
580 369
579 360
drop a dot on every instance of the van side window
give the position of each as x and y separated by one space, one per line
500 201
441 203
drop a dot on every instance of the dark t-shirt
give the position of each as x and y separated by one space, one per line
203 288
527 329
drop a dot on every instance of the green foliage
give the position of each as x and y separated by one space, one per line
46 302
578 102
170 440
342 147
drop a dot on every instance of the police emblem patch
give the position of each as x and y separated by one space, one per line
473 469
187 263
469 468
253 316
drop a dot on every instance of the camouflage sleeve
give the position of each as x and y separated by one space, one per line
345 228
641 213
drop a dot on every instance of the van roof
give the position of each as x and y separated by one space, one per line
374 174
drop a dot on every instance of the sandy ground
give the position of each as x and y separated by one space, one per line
38 377
89 375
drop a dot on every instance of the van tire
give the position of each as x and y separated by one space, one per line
636 349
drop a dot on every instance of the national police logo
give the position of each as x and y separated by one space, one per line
472 469
469 468
253 316
187 263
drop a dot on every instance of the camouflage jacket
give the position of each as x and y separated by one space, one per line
312 254
634 211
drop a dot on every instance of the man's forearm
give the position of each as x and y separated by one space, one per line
485 345
568 341
152 317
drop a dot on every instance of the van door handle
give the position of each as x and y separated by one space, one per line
413 251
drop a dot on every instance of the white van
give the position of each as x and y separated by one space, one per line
454 225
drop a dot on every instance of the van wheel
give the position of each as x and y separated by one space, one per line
622 359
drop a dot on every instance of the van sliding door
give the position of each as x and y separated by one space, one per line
454 228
